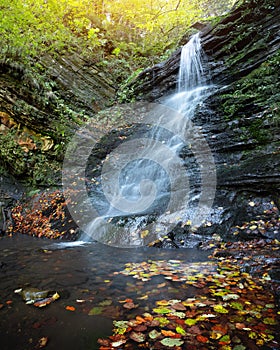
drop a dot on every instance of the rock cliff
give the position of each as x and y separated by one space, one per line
241 119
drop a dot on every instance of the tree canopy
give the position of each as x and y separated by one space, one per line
100 28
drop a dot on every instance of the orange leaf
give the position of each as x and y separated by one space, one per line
140 319
70 308
201 339
219 328
168 333
240 325
149 318
126 301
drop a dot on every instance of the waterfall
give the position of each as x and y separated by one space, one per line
191 72
146 175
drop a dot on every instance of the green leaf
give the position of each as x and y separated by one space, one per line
107 302
170 342
239 347
225 338
179 314
236 305
220 309
190 321
270 320
154 334
97 310
162 321
162 310
120 324
180 330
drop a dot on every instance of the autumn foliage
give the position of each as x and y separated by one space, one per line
44 215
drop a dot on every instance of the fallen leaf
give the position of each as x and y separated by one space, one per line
97 310
138 337
190 321
180 330
167 333
202 339
118 343
130 306
154 334
42 342
170 342
220 309
162 310
70 308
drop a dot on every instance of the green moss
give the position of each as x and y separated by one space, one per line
260 89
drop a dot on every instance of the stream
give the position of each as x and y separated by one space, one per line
77 271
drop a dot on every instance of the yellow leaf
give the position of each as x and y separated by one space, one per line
144 233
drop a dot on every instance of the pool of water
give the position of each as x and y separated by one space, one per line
84 275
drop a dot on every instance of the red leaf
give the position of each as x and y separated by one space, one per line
201 339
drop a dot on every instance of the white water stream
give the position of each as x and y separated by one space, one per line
146 175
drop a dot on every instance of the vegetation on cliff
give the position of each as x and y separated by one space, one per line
61 62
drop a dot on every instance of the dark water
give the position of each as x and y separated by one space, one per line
84 273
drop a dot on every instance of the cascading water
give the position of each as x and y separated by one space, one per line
191 71
145 173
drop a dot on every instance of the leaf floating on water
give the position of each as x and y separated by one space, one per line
178 307
162 321
230 296
97 310
235 305
202 339
46 301
70 308
220 309
130 306
180 330
17 291
240 325
170 342
239 347
270 320
162 302
225 340
138 337
107 302
42 342
190 321
118 343
179 314
154 334
140 328
168 333
80 301
120 324
162 310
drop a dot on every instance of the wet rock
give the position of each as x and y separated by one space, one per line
10 192
32 294
238 121
237 45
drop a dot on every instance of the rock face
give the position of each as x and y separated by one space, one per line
237 45
41 103
241 119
